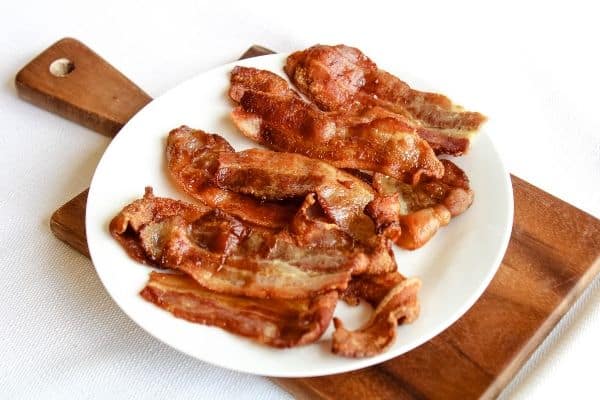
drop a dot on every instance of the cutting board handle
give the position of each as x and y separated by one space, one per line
69 79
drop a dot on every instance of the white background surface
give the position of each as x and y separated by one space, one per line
60 334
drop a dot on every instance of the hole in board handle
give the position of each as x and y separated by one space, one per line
61 67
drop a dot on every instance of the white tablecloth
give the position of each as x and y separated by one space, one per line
61 336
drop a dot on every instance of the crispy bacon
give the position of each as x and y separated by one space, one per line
192 157
275 322
330 75
270 175
400 304
125 227
444 142
266 176
281 120
371 288
280 236
430 109
343 197
227 256
245 78
342 78
411 214
441 141
288 124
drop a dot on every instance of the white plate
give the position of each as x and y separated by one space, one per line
455 267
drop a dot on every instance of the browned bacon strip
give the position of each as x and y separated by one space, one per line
342 78
343 197
330 75
431 109
444 142
371 288
125 227
288 124
441 141
224 255
268 175
279 119
277 323
192 157
245 78
411 214
378 334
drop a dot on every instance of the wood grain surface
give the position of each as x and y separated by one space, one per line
553 254
92 92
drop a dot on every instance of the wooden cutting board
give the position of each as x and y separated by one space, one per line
553 254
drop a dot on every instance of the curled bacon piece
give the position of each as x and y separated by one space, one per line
275 322
411 214
192 157
371 288
125 227
282 121
341 78
400 304
227 256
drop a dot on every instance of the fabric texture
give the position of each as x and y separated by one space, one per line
61 336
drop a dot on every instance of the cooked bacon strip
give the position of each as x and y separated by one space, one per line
342 78
399 305
288 124
224 255
192 157
270 175
312 226
343 197
441 141
371 288
267 175
444 142
431 109
330 75
275 322
411 214
278 118
125 227
245 78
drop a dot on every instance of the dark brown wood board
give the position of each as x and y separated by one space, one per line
553 254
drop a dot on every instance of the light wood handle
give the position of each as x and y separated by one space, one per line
69 79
